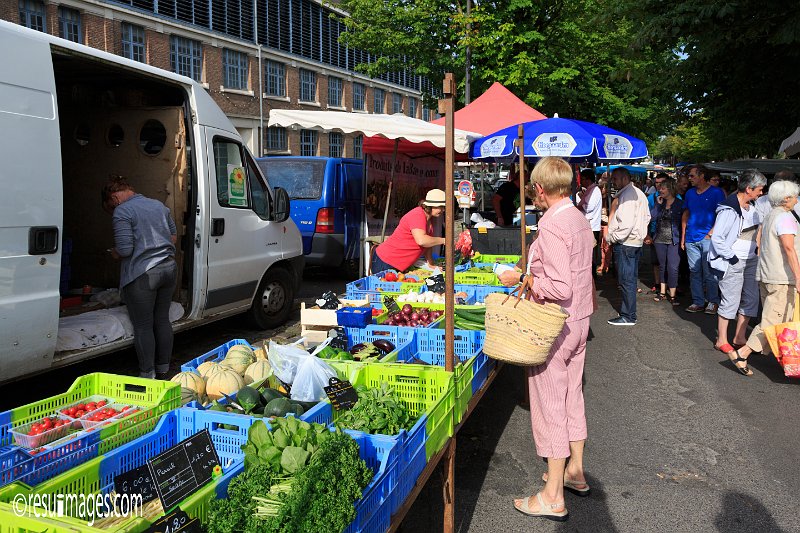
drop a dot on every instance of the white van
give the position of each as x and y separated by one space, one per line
71 117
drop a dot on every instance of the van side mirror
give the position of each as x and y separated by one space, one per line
281 205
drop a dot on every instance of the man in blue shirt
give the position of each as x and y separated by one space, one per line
700 206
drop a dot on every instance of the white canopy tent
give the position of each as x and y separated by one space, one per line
393 127
791 145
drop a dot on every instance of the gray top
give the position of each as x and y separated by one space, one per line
142 236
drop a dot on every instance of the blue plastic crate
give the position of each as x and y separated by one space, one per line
356 317
408 476
433 340
376 504
402 338
483 366
217 354
481 291
15 464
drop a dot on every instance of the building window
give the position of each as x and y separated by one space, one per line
308 85
358 96
397 103
133 42
276 139
334 92
412 107
335 144
32 14
276 79
69 24
186 57
380 101
426 114
234 66
358 143
308 142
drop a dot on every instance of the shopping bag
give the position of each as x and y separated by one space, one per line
784 339
521 331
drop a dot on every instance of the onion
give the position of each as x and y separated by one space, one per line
397 316
389 322
413 323
435 314
414 316
407 309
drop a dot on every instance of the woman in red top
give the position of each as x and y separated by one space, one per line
413 236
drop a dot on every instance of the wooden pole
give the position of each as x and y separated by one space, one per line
446 105
389 191
522 182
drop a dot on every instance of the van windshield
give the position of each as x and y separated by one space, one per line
302 180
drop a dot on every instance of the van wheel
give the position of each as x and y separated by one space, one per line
273 300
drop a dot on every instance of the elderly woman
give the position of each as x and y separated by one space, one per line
778 271
560 262
732 254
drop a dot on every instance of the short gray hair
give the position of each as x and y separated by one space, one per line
751 178
780 191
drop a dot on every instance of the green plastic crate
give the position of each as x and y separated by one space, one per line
476 278
505 259
462 379
424 389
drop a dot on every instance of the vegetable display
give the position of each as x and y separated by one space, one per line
376 411
470 319
408 316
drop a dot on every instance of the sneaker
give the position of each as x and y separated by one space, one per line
711 309
621 321
694 308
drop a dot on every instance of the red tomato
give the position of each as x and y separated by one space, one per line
79 413
81 407
101 403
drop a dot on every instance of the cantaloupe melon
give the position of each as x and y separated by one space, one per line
225 381
188 395
258 371
238 358
208 368
191 380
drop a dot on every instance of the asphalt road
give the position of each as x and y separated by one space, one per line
678 441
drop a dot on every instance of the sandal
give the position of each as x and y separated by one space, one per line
725 348
743 370
545 510
674 301
579 488
660 297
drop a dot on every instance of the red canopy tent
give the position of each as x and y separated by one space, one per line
495 109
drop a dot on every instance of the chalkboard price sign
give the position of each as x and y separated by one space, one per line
174 522
184 468
435 283
341 394
136 481
340 339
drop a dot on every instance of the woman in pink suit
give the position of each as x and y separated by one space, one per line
560 261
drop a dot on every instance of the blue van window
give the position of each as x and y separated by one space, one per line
302 179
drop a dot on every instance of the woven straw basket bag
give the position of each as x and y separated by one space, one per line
520 331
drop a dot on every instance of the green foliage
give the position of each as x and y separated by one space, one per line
376 411
287 448
737 67
235 513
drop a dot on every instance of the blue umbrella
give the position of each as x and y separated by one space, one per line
571 139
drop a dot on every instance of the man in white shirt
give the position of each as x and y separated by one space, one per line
763 206
591 205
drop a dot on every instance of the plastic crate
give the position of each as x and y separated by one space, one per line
409 475
402 338
428 392
97 475
156 397
476 278
217 354
356 317
465 342
15 463
483 367
376 505
482 291
505 259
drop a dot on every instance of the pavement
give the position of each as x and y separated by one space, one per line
678 440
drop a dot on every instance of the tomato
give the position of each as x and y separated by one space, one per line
79 413
81 407
391 276
101 403
91 406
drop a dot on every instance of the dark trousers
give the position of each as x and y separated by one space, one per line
596 253
669 259
378 264
626 259
148 298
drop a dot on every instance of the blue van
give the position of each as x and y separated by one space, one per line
326 205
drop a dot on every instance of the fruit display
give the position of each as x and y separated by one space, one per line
410 317
401 277
43 431
238 358
226 381
191 380
105 414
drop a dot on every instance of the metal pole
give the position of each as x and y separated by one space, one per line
260 82
448 485
522 181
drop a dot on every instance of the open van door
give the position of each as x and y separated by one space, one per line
31 209
242 241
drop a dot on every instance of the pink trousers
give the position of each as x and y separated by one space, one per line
556 393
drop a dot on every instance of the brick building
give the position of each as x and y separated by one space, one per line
290 59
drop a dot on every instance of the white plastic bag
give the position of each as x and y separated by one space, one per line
311 379
307 374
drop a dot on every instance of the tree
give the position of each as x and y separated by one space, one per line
738 67
559 56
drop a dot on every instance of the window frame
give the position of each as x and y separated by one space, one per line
397 98
359 102
243 159
284 145
304 144
275 72
67 25
238 72
28 9
195 61
335 102
358 147
376 92
412 107
308 82
129 33
339 144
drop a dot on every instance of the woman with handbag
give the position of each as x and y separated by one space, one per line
559 272
778 271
